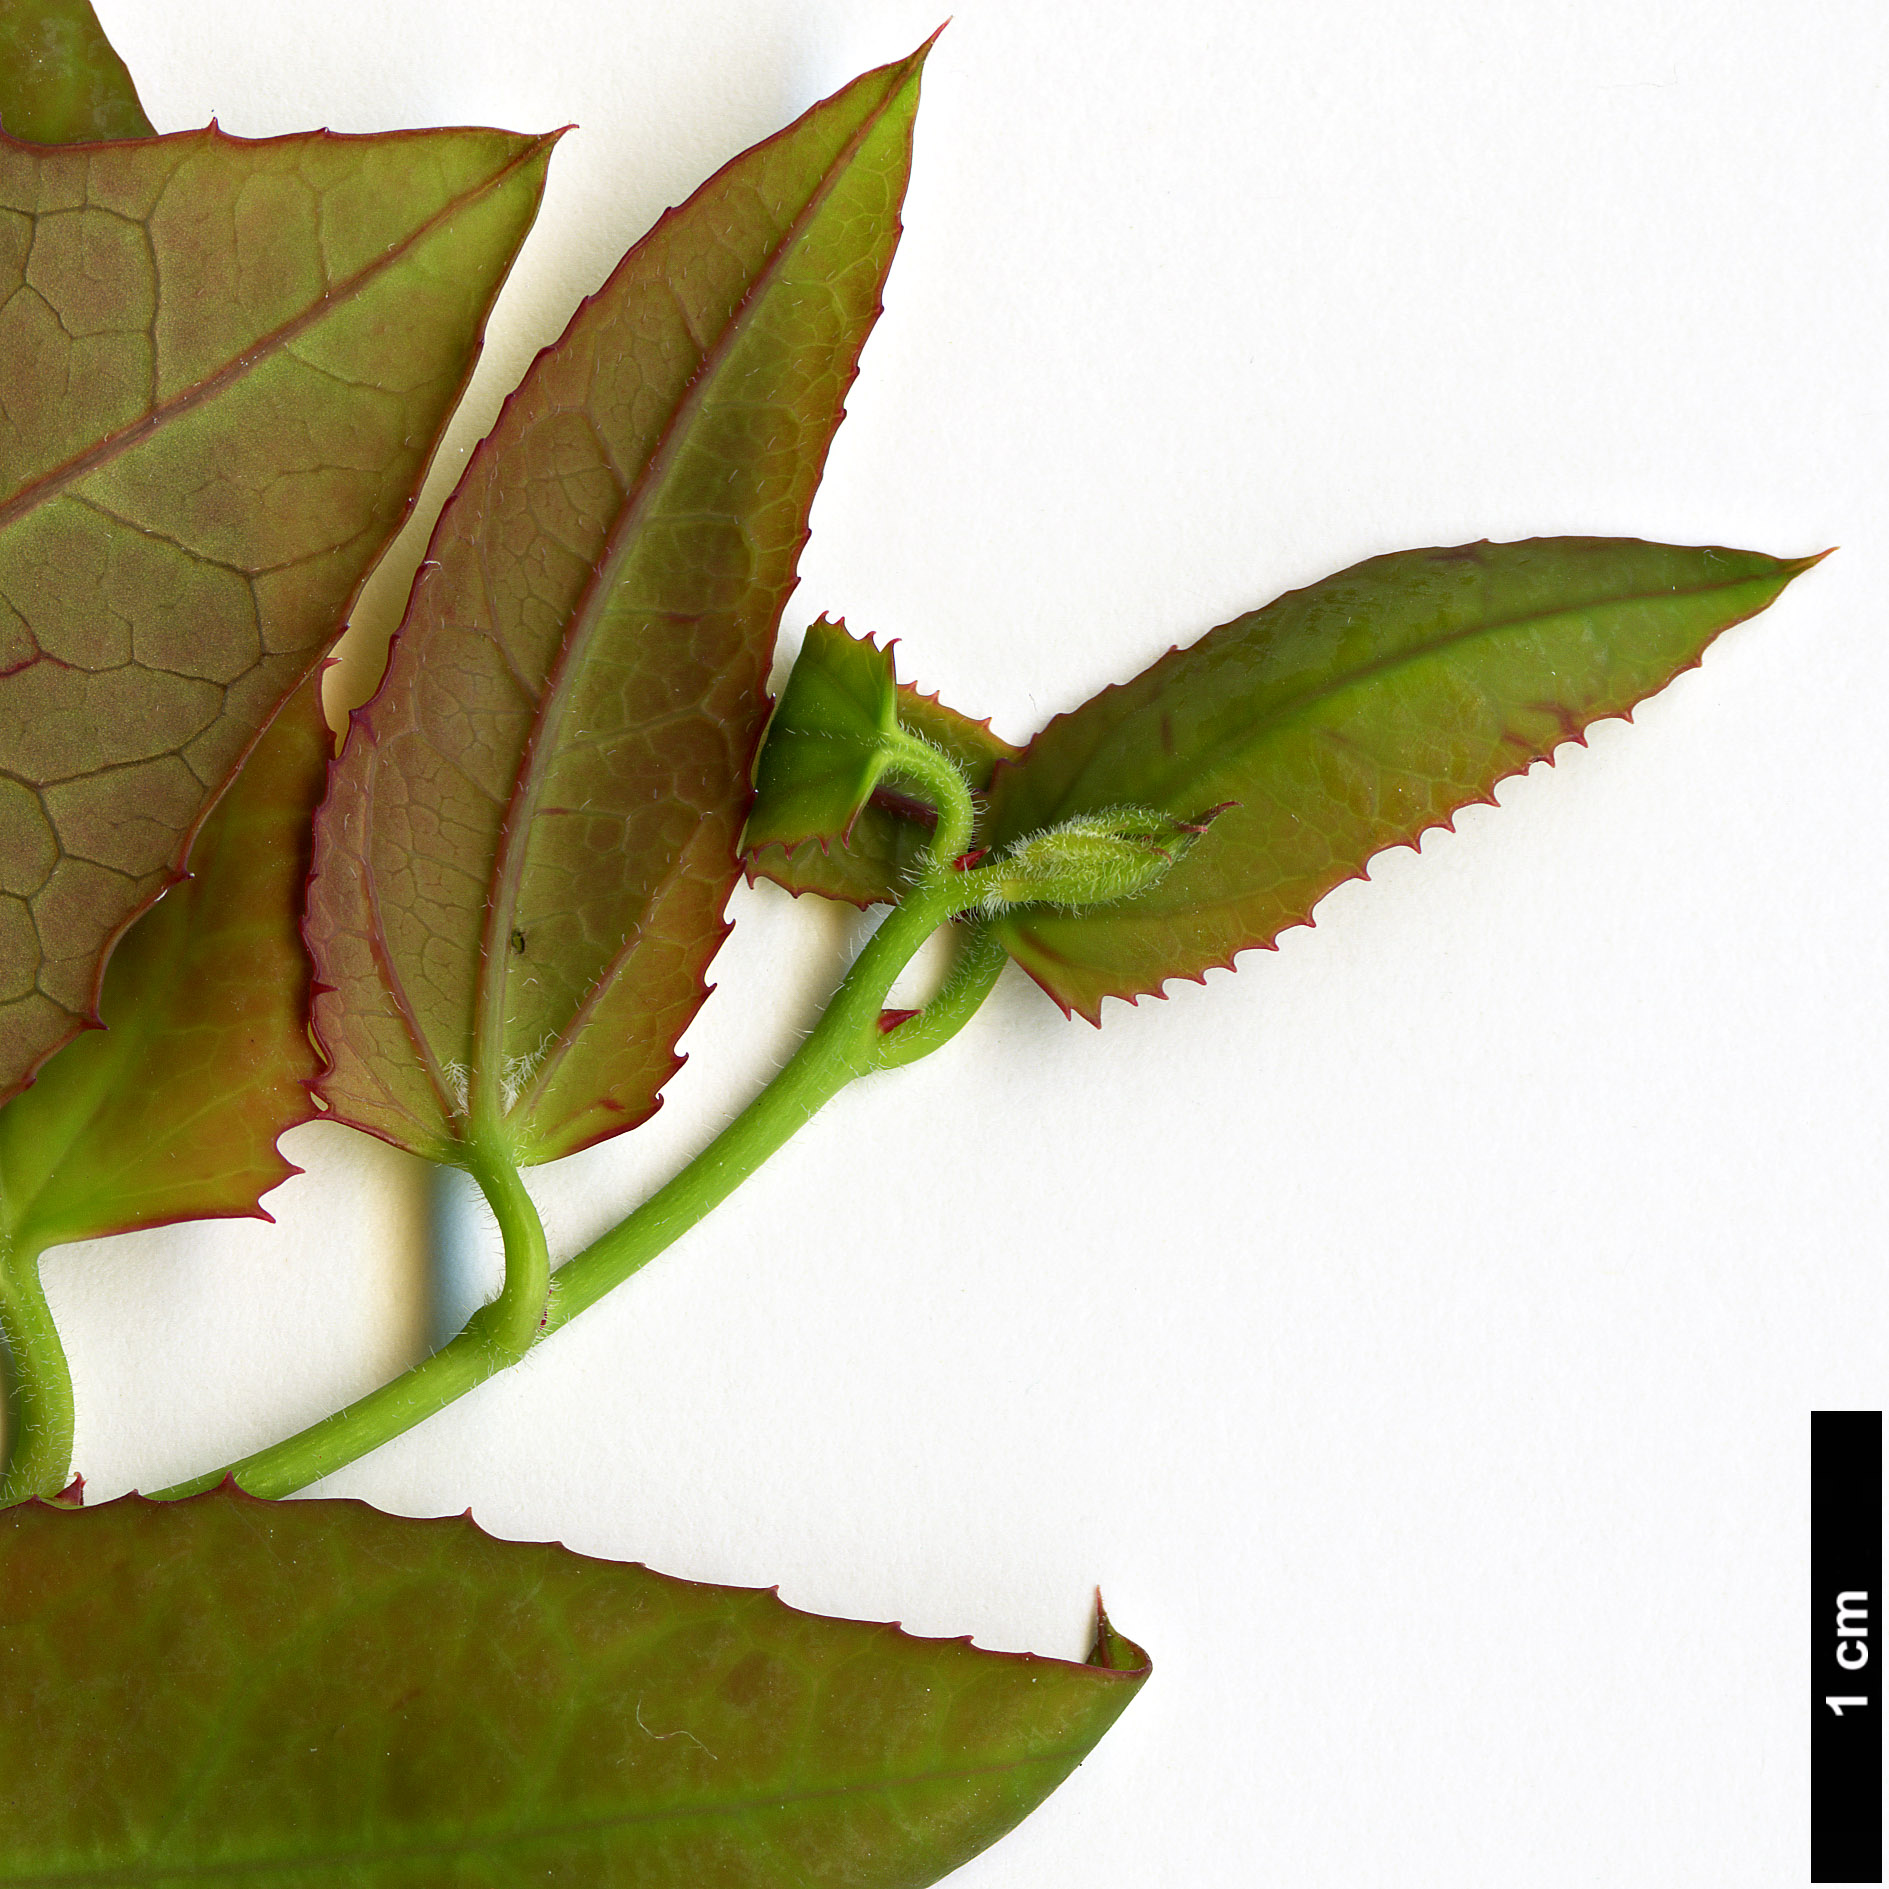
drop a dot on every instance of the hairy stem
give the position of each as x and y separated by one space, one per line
845 1044
911 758
38 1443
973 973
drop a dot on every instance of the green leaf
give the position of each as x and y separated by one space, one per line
521 869
311 1693
1345 718
60 80
226 367
172 1110
866 854
826 744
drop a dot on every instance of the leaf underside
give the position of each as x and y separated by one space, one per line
172 1110
311 1693
522 867
867 854
1347 717
824 750
224 367
60 80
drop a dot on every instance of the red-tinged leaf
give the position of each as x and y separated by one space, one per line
310 1693
521 869
1345 718
867 855
225 367
60 80
172 1110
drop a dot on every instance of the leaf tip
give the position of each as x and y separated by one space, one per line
1113 1651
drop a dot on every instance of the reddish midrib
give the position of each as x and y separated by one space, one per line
1284 711
540 746
50 483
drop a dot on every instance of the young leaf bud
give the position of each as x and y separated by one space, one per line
1093 859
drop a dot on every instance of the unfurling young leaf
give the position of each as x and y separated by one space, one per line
812 828
521 869
310 1692
826 745
227 365
1344 718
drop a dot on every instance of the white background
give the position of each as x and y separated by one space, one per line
1415 1333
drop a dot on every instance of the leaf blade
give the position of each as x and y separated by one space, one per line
263 343
1348 717
313 1692
172 1111
61 82
598 610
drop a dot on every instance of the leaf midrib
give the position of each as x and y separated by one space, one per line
383 956
573 1831
533 1091
49 484
1287 710
571 660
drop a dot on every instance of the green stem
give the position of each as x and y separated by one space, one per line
973 973
510 1324
936 775
497 1335
845 1044
39 1412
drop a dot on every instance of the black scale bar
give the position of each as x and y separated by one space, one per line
1847 1655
